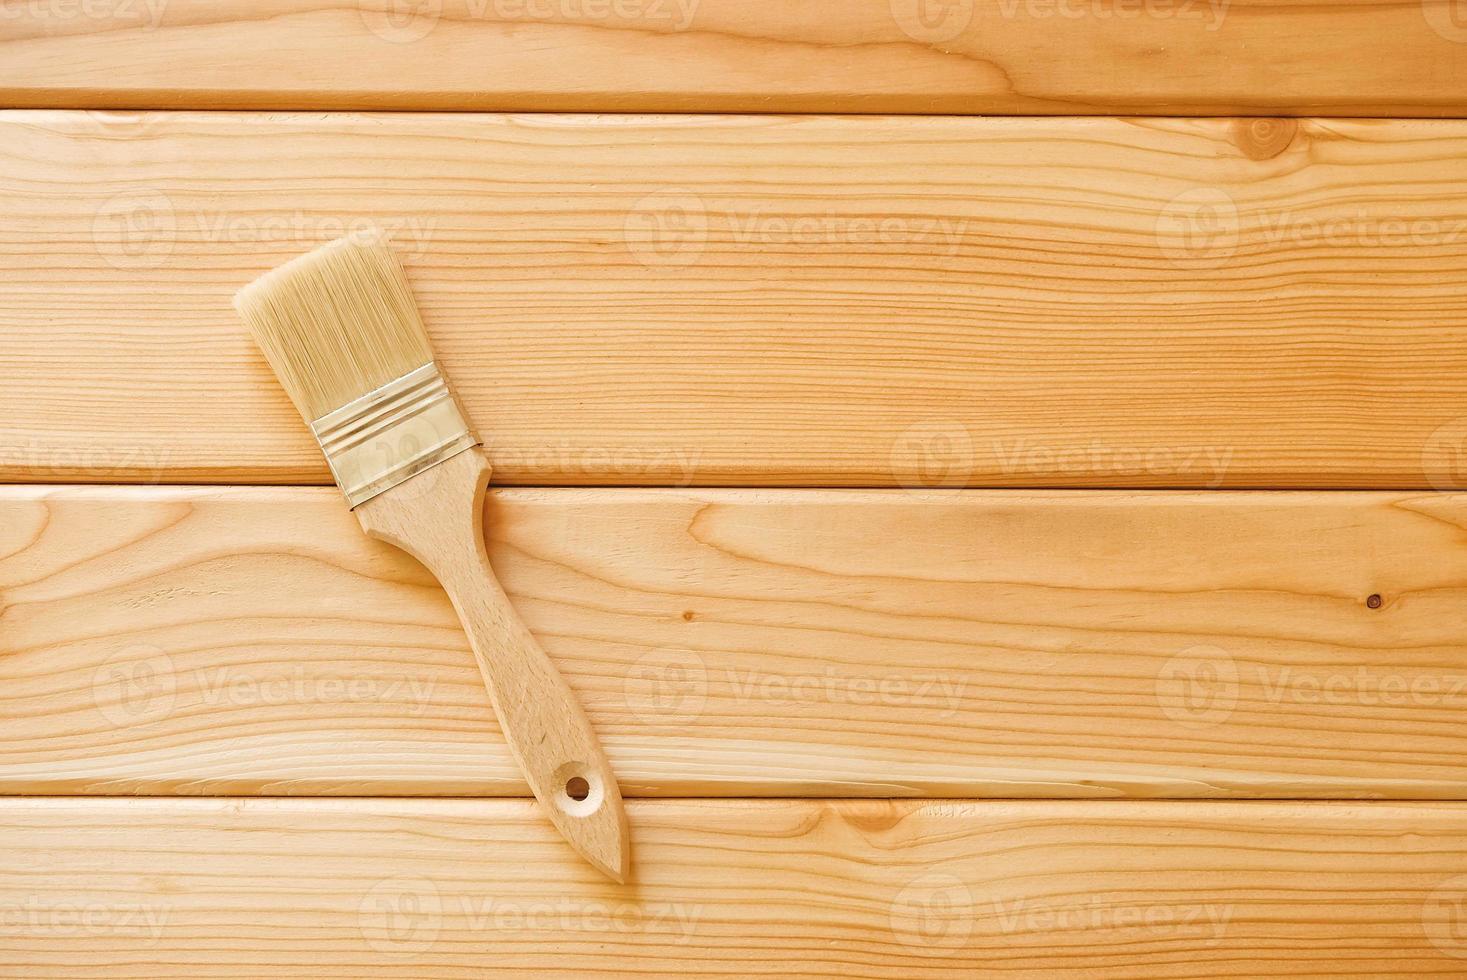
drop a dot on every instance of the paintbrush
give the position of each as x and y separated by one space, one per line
342 331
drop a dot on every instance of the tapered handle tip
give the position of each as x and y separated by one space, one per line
586 807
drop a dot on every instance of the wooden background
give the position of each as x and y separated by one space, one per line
1023 544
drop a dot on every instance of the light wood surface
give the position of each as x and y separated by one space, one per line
438 518
450 888
1126 720
755 300
741 642
911 56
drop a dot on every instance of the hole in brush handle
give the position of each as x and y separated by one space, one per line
579 790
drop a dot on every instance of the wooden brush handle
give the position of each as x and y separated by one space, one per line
438 518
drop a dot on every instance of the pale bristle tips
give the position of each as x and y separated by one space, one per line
336 323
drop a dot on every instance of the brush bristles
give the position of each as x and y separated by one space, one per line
336 323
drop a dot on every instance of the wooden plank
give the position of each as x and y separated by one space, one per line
153 889
736 642
755 301
899 56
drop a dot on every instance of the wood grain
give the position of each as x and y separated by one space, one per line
755 300
1366 57
739 642
153 889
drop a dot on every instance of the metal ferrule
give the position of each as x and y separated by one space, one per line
393 434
